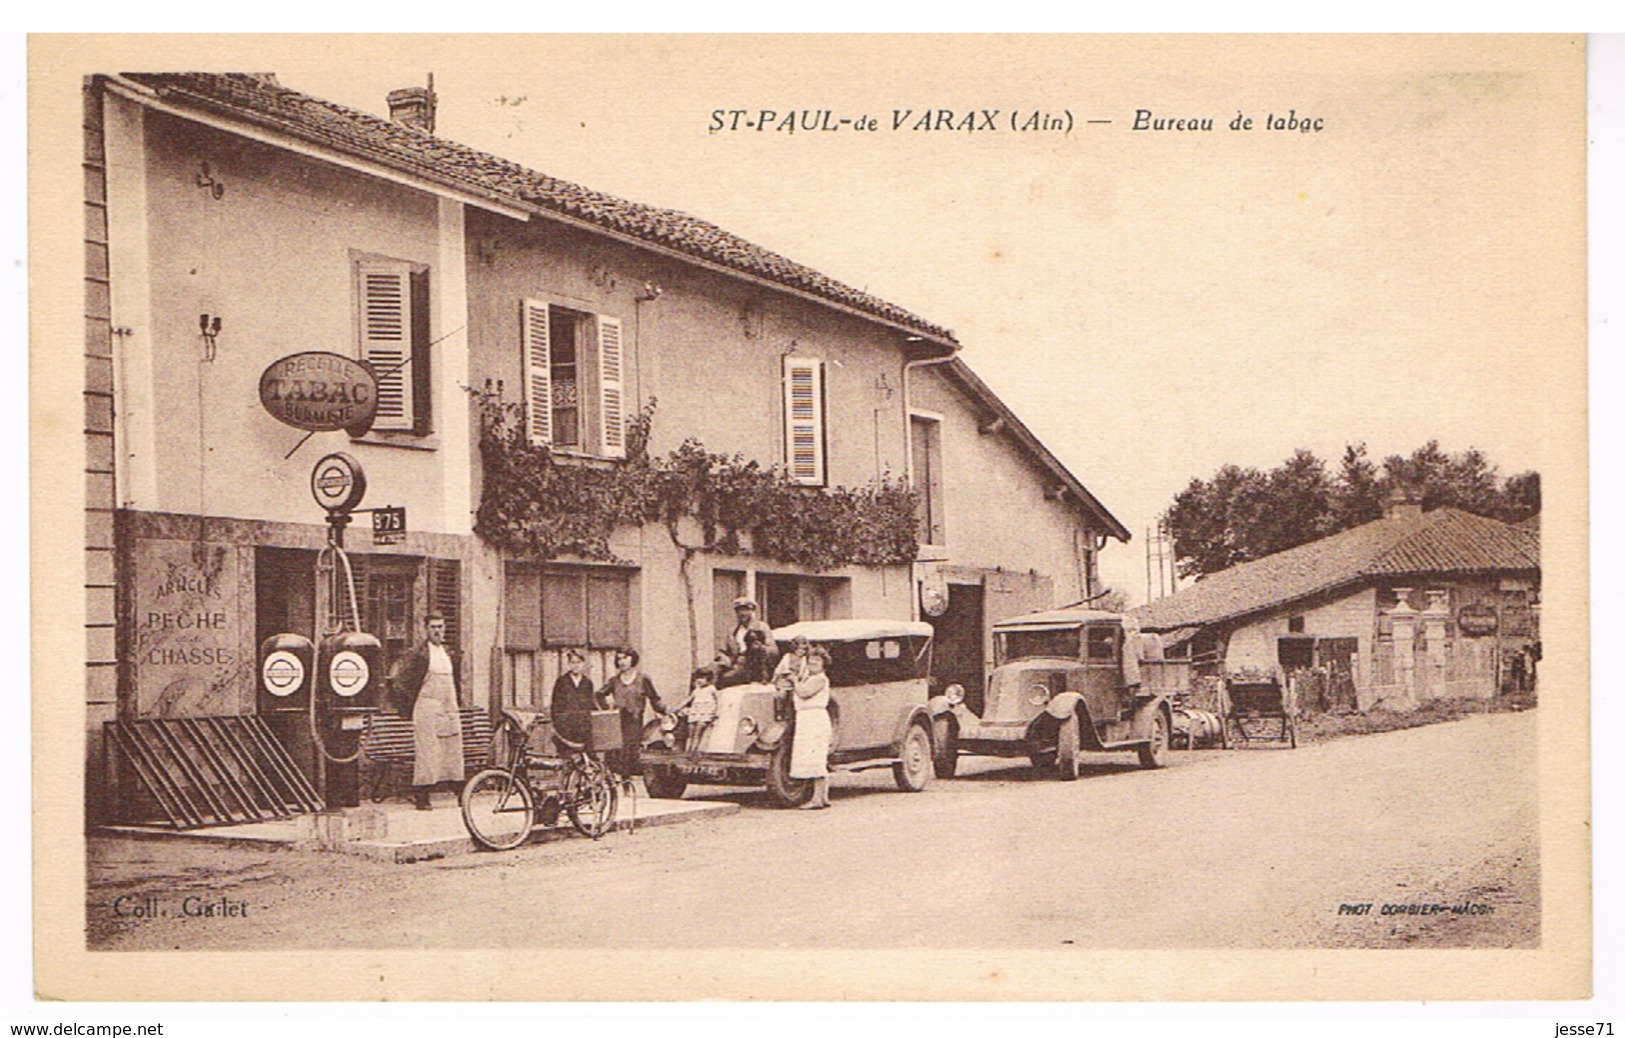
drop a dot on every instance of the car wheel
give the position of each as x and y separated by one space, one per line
1066 750
1155 753
914 770
944 748
665 783
783 790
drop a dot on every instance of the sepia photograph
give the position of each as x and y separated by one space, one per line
811 517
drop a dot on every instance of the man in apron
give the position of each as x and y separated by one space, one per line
429 681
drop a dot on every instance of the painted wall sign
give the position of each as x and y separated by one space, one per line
187 630
338 482
1477 621
320 392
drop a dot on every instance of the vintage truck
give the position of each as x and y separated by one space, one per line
878 671
1064 681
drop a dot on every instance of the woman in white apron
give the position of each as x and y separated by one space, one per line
809 748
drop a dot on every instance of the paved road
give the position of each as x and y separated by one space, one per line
1252 848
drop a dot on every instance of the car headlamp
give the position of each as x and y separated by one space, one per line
955 694
747 726
1039 695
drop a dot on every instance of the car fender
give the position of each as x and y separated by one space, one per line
918 715
1065 705
772 735
939 705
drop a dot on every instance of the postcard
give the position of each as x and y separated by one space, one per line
810 517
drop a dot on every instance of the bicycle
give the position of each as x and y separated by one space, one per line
500 803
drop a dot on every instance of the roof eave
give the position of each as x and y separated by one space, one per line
1034 446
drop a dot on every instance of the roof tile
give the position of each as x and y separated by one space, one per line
1446 541
258 98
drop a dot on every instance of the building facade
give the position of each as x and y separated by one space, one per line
232 222
1411 607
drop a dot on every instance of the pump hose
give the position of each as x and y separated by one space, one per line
355 625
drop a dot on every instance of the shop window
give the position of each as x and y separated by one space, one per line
785 599
574 375
566 608
804 446
392 323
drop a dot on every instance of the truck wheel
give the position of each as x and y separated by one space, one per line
944 748
665 783
783 790
914 770
1067 742
1154 754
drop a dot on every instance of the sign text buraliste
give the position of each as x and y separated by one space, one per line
320 392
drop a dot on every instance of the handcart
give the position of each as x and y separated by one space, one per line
1259 707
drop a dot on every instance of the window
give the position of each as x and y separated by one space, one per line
1102 644
786 599
874 662
574 373
1294 624
392 326
804 448
1051 643
927 448
566 607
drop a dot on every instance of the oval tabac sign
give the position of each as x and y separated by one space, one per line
320 392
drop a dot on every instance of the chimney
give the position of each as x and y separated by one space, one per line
1403 503
414 106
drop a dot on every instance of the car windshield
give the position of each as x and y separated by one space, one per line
1052 643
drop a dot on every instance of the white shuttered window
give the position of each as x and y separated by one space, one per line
611 388
538 374
804 420
386 339
574 377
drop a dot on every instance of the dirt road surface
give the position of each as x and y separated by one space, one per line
1255 848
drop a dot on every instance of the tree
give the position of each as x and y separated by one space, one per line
1242 514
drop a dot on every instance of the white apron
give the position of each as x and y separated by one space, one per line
437 734
809 746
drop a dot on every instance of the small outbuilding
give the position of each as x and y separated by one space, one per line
1406 608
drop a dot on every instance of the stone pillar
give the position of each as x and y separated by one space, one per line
1405 619
1435 626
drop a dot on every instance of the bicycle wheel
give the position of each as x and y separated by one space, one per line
590 797
498 809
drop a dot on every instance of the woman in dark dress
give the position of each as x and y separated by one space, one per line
628 691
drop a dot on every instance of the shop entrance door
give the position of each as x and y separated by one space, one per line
957 655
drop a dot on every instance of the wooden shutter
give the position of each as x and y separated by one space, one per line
611 388
386 339
445 597
804 420
522 608
538 363
564 609
609 605
420 366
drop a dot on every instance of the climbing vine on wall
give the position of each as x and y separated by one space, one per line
535 503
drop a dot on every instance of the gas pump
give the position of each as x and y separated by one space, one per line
348 666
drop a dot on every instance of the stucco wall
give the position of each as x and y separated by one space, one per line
709 348
1348 616
995 511
272 257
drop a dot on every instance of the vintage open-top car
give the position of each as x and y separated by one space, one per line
1064 681
878 671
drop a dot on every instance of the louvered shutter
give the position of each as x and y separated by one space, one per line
386 340
804 420
538 358
611 387
446 598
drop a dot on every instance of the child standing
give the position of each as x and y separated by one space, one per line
809 750
701 710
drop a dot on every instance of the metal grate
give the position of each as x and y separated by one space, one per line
204 771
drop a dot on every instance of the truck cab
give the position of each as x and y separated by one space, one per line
1064 681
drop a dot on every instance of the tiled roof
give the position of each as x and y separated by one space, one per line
1438 543
260 100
